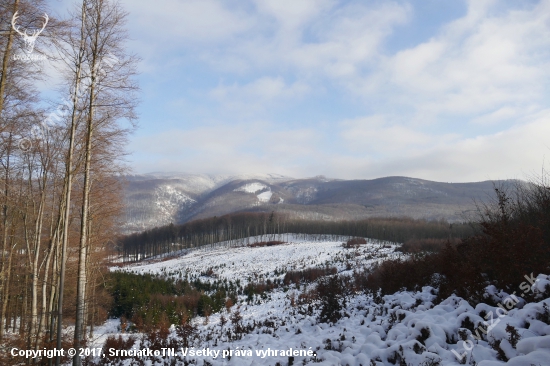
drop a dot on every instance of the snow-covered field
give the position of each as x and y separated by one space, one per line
404 328
262 263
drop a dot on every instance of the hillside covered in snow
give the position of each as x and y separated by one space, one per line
297 319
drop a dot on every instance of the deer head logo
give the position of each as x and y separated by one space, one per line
29 39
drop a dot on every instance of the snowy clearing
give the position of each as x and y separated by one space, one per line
261 263
251 187
405 328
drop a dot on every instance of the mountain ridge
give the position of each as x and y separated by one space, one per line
157 199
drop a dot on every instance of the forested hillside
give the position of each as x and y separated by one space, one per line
156 200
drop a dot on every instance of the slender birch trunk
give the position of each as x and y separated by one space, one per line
68 181
79 332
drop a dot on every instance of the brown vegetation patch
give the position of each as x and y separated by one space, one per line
427 245
354 242
266 243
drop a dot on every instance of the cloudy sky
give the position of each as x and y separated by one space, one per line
447 90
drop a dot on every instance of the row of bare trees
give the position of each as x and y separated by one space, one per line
234 228
60 194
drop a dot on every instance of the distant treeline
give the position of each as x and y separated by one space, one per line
233 228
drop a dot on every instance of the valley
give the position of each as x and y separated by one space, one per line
407 327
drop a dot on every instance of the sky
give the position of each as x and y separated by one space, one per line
446 90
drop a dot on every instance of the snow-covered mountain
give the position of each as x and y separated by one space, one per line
162 198
282 328
158 199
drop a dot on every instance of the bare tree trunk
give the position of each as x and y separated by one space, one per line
89 273
33 249
68 182
6 60
82 254
53 296
47 305
5 274
7 286
24 307
3 80
79 332
43 313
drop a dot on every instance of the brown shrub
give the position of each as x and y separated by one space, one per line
308 297
266 243
117 343
354 242
427 245
307 275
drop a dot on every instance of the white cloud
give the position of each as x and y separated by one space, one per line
514 153
318 38
467 103
293 15
340 43
371 135
477 64
502 114
259 94
175 22
261 147
238 148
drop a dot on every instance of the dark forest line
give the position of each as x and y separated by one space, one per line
233 228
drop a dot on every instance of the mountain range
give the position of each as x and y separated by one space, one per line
161 198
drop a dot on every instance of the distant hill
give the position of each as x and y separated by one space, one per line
161 198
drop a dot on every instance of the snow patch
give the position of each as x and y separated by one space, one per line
265 196
251 187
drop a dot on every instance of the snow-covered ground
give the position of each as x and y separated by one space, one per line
262 263
265 196
405 328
